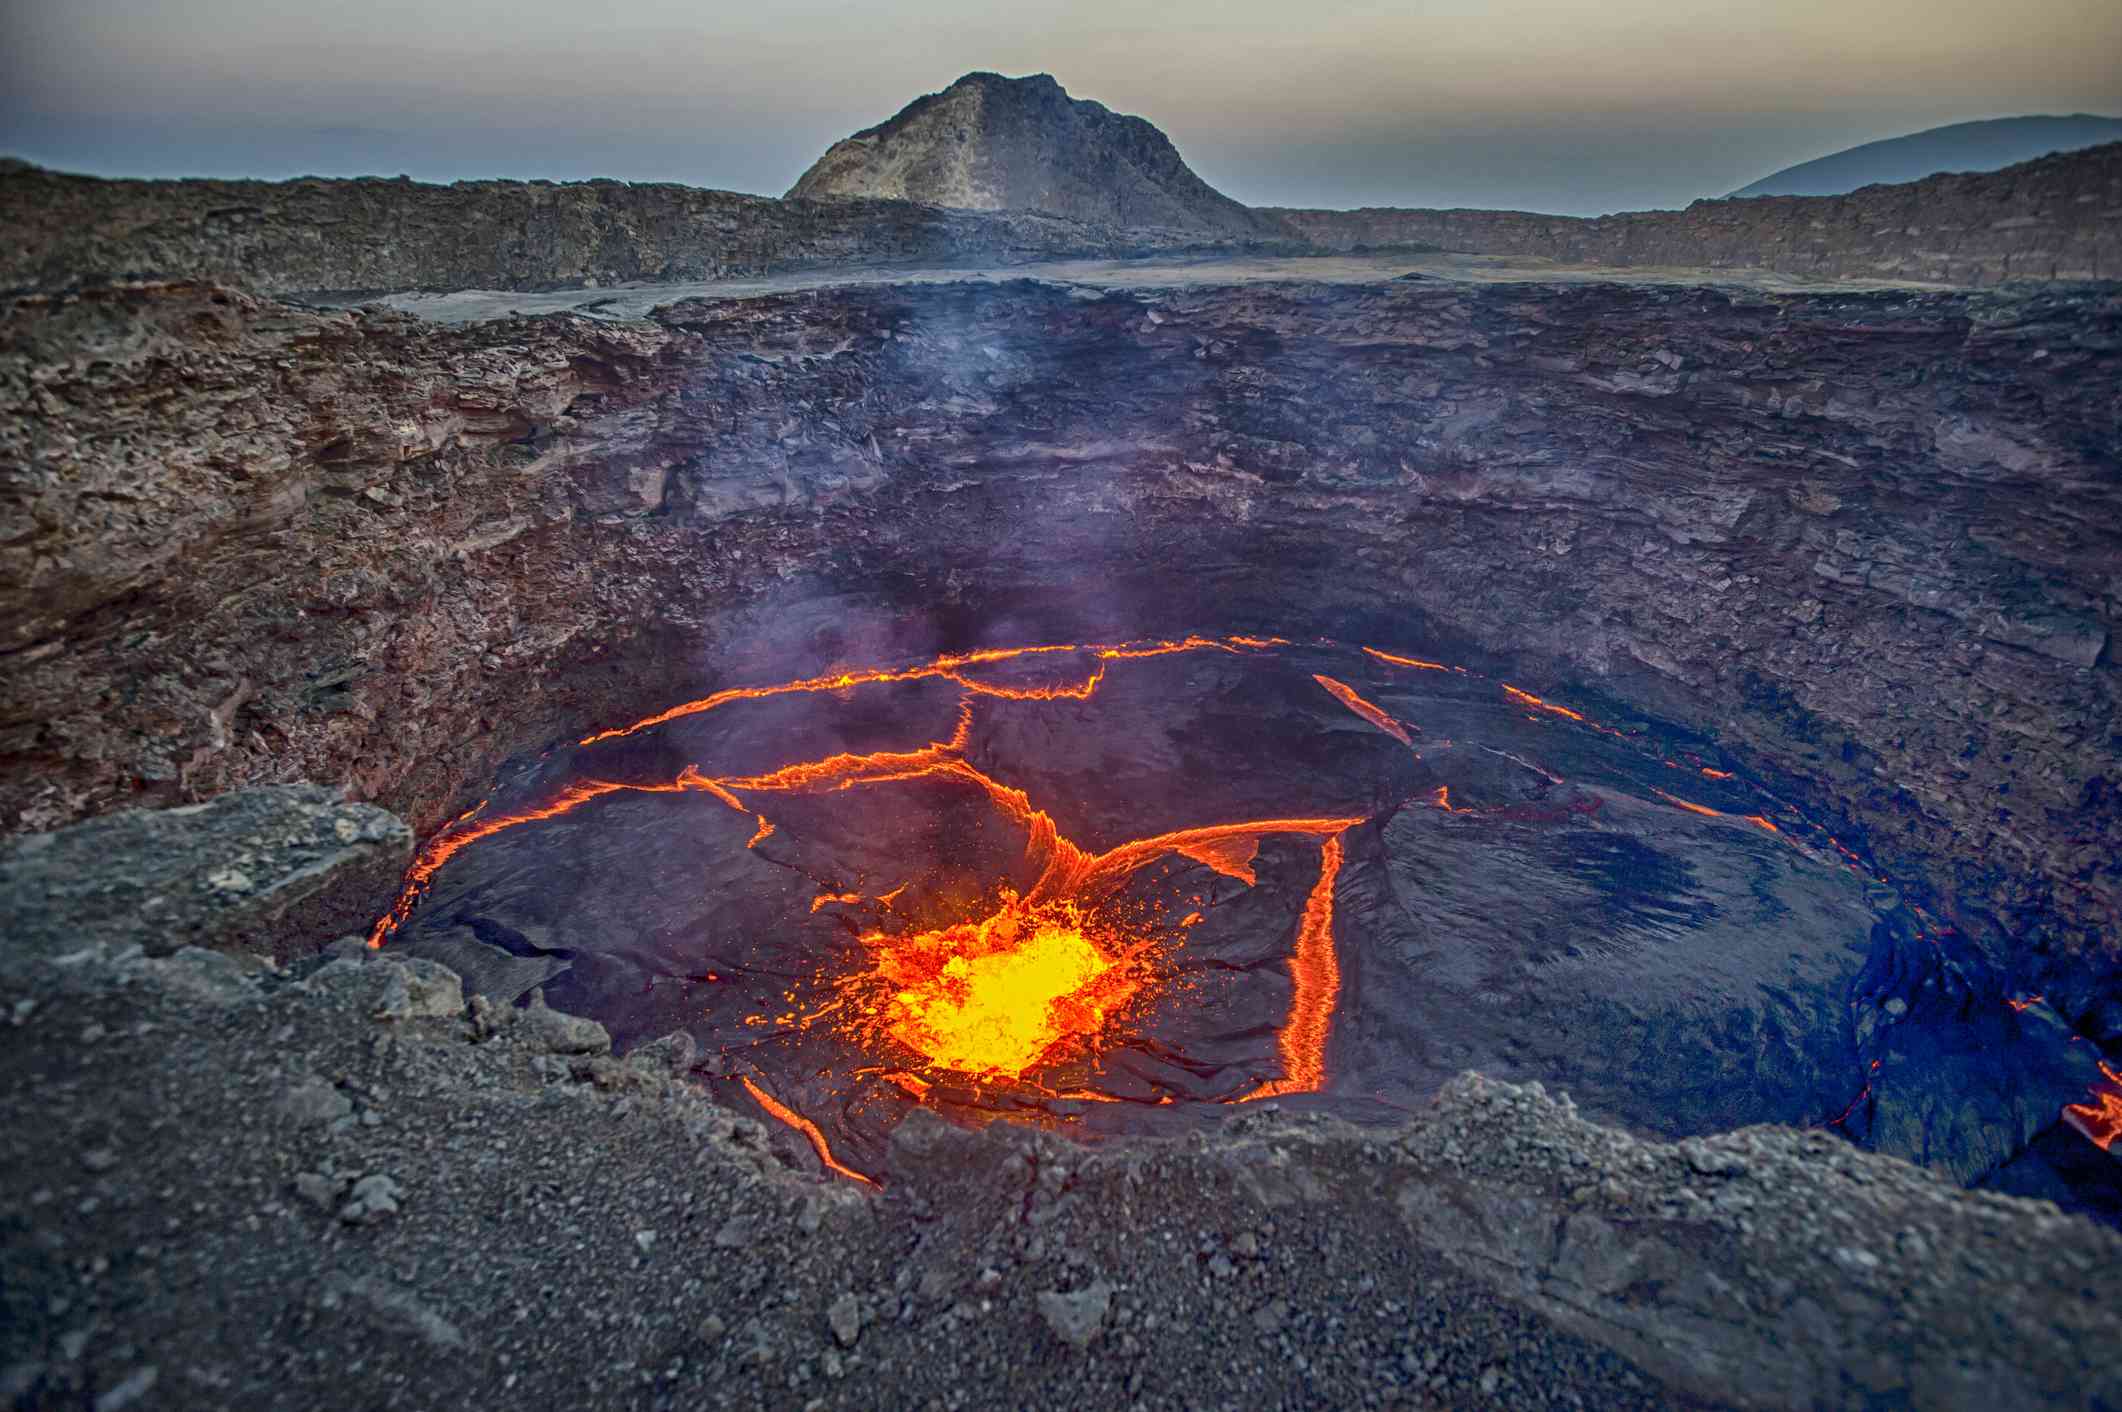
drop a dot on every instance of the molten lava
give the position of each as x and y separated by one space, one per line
2100 1120
783 1113
1526 698
1400 661
1346 695
1317 974
1759 821
997 996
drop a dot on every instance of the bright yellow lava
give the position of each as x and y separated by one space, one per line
995 996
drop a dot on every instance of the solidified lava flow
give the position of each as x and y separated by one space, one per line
1122 886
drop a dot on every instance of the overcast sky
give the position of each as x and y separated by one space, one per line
1572 106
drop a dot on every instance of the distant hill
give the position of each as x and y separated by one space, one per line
990 143
1961 147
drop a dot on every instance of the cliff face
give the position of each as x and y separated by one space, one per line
373 234
2056 218
991 143
1869 541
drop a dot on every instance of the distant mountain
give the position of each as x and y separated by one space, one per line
990 143
1960 147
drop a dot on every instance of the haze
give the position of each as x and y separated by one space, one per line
1566 107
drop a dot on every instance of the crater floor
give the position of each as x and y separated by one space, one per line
1134 887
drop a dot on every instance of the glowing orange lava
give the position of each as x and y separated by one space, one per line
1400 661
1716 774
1526 698
951 667
1347 696
805 1126
996 996
1232 857
1317 973
1759 821
1442 799
464 831
2100 1120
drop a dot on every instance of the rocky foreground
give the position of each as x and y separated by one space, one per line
334 1184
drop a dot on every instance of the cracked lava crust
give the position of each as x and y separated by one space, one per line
1127 887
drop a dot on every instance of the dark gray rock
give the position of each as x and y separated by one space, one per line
219 874
1781 1259
486 969
1077 1317
543 1030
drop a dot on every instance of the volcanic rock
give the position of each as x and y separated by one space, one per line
990 143
275 849
1078 1316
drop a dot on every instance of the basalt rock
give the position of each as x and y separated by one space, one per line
242 870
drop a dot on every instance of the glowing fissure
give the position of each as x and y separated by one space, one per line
1759 821
1441 798
1526 698
1399 661
466 830
1850 1109
1347 696
1232 857
782 1112
1316 972
950 667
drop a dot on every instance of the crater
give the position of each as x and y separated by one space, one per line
1136 887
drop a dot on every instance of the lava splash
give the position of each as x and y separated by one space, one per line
997 996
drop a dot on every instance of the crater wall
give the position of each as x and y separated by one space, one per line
2058 218
1869 541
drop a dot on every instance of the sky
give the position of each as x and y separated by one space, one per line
1569 106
